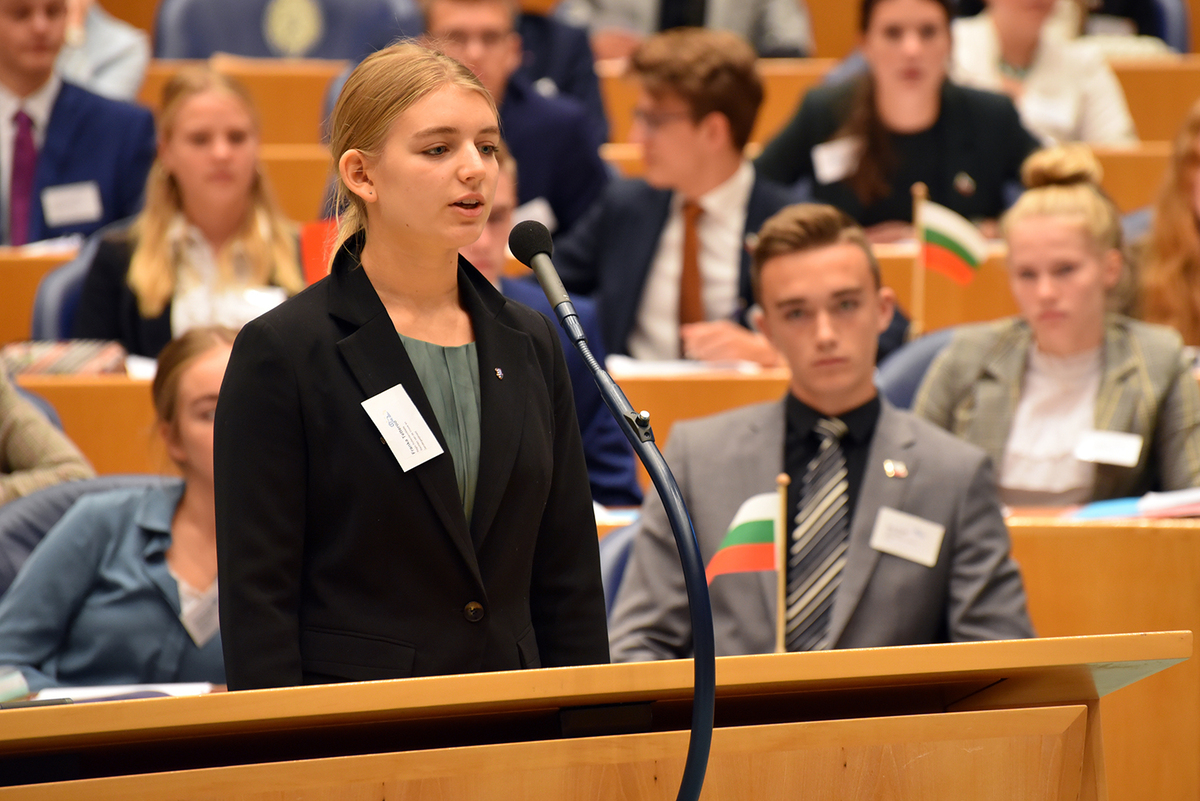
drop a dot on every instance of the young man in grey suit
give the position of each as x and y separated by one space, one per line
895 531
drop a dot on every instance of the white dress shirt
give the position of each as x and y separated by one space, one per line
721 230
1069 93
1056 410
38 106
201 298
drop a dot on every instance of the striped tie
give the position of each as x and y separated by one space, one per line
817 552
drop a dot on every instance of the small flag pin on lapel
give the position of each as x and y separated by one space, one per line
894 469
499 374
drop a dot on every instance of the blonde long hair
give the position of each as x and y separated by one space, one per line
1169 268
377 92
266 238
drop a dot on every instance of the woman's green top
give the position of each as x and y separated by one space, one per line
450 378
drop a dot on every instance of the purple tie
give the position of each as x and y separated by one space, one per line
24 164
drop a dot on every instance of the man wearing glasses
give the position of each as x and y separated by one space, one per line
664 257
555 145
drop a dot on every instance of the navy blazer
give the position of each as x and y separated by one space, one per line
561 54
609 254
338 565
609 456
556 149
93 139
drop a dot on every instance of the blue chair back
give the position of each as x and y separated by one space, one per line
1172 16
25 521
59 291
899 375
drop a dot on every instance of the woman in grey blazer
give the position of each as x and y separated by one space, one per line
1072 402
401 488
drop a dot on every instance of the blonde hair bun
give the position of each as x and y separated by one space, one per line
1063 165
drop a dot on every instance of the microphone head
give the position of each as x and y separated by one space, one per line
529 238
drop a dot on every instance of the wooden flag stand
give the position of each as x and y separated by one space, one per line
916 323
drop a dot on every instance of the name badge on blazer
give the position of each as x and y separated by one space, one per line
836 159
72 204
1110 447
907 536
404 430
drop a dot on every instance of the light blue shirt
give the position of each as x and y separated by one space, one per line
95 603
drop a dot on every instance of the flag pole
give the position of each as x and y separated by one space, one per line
781 481
916 325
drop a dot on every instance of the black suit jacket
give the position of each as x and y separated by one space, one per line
609 252
337 565
979 134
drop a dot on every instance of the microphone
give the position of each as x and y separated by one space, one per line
530 242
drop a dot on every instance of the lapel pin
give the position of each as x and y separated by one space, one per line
965 184
499 374
894 469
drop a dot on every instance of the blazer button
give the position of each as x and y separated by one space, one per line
473 611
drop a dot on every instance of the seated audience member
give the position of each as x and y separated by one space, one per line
72 161
864 143
33 453
1073 403
103 54
211 247
1063 89
123 590
823 307
1168 265
552 138
775 28
664 257
609 458
336 29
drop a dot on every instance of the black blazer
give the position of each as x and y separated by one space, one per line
977 134
609 252
335 564
108 309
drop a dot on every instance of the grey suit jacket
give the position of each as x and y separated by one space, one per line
973 387
973 592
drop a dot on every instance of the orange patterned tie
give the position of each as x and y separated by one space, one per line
691 305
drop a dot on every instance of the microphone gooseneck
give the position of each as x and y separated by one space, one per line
531 243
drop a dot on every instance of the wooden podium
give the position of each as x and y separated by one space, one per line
995 720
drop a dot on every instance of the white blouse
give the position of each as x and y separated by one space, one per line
1056 410
198 299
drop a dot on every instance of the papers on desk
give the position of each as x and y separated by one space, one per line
118 691
620 365
1179 503
59 246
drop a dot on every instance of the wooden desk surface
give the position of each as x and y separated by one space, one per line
19 278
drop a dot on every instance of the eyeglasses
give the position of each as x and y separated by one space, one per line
653 120
489 40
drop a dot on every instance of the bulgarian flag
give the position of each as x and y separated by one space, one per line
749 544
951 244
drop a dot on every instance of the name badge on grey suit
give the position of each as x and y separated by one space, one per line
907 536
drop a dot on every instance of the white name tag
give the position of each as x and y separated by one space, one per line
72 204
836 159
907 536
404 430
537 209
1110 447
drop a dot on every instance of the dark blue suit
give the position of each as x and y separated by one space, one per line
609 254
198 28
93 139
609 458
556 150
562 55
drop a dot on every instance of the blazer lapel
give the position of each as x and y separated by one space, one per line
640 232
65 117
507 373
1117 405
893 439
997 393
376 357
